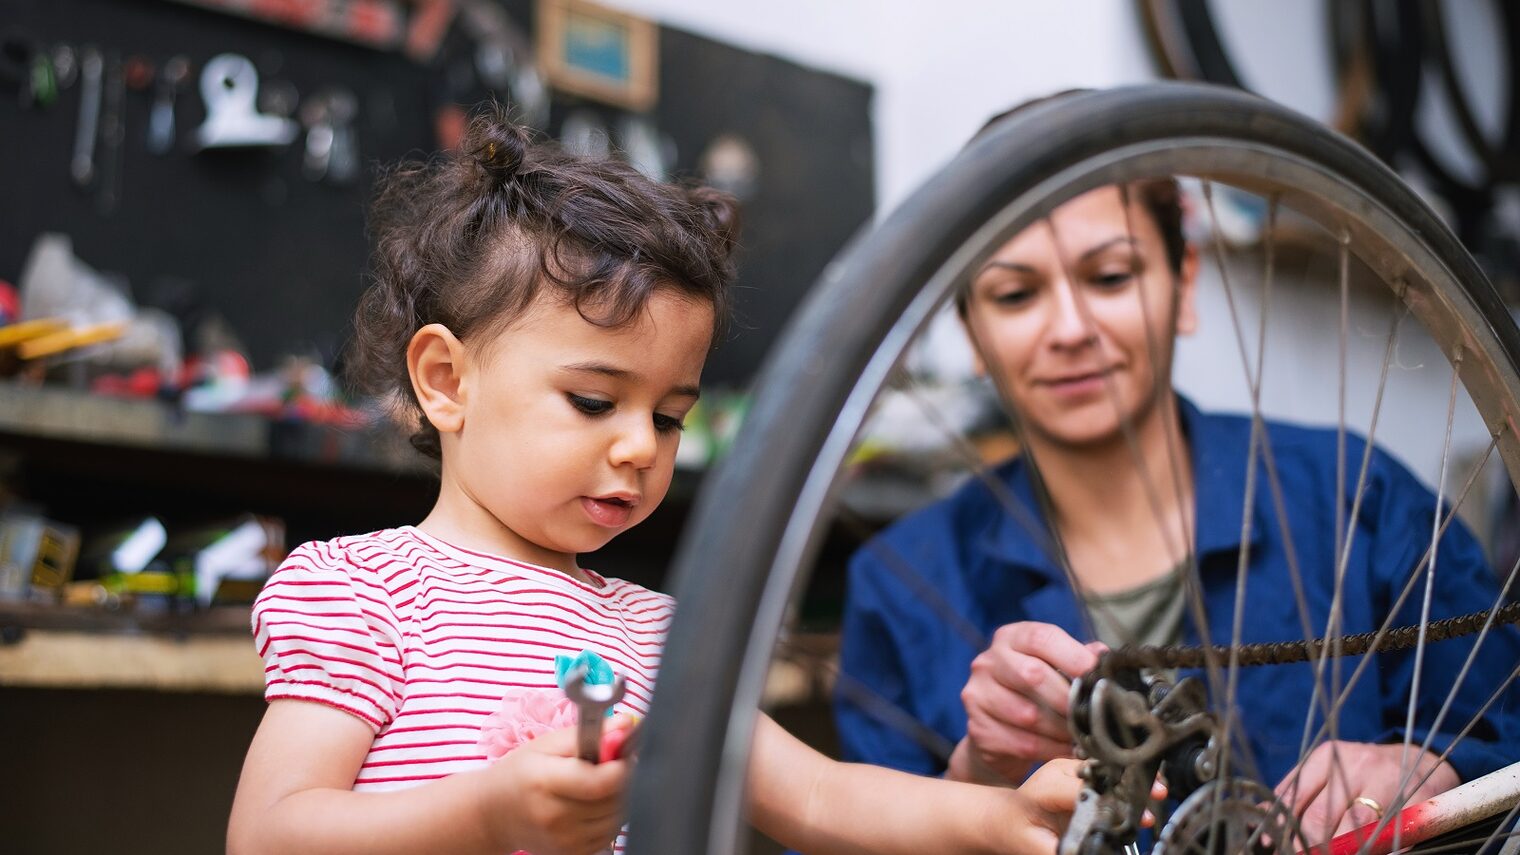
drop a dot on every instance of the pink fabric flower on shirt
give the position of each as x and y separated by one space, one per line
524 715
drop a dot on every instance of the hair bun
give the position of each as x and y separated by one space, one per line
721 212
497 145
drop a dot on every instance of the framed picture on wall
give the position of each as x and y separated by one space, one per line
598 53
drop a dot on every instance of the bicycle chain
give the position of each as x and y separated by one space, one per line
1287 652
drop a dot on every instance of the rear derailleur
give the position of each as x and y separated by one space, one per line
1131 727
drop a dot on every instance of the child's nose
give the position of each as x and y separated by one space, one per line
636 444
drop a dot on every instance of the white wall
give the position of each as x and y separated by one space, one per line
939 68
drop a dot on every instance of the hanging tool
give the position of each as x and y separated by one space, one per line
112 134
161 119
230 87
82 167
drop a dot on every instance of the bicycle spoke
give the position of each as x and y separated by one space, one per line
876 706
1344 529
1044 535
1345 539
1162 393
1333 623
1414 576
1509 837
778 489
1343 558
1392 815
1260 437
1177 553
1320 697
1466 845
1387 625
1430 573
1243 560
904 570
1406 788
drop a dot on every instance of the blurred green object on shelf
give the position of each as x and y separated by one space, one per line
709 428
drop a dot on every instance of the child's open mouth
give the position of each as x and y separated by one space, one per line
609 511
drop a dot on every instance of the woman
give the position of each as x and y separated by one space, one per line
1075 320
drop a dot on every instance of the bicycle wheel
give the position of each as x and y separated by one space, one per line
763 514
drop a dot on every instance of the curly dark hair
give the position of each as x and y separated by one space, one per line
471 238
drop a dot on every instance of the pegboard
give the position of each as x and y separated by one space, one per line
244 234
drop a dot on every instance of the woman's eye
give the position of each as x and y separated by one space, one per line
1013 298
666 424
1113 279
590 406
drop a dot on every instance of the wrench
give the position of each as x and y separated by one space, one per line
592 702
112 134
161 119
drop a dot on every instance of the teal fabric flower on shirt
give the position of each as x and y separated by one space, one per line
598 672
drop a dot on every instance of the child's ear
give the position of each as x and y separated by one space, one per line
435 359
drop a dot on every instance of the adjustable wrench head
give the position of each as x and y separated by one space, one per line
599 698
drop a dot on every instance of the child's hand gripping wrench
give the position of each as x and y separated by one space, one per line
592 703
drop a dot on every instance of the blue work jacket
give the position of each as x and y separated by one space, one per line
926 594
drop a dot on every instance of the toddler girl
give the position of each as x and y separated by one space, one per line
545 318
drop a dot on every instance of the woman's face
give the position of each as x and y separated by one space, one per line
1074 318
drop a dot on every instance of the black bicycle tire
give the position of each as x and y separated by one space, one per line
708 686
1502 156
1186 45
1186 42
1390 34
1393 33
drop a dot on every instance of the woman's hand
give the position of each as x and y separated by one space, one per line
1323 789
1016 702
547 801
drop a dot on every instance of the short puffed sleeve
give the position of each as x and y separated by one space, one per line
326 631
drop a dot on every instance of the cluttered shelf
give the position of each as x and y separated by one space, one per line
19 616
48 646
210 650
65 414
172 517
129 499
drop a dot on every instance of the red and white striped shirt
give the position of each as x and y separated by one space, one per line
421 639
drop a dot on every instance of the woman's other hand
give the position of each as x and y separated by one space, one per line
1324 789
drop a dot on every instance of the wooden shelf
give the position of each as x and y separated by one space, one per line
66 414
48 646
212 651
216 621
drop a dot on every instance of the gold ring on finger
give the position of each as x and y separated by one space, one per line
1371 804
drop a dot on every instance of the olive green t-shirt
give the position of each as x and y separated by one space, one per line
1148 614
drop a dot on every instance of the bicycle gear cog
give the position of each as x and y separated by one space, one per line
1234 816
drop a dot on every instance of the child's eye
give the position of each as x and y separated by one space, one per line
589 406
666 424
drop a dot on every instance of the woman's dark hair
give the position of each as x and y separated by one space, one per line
1160 197
471 238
